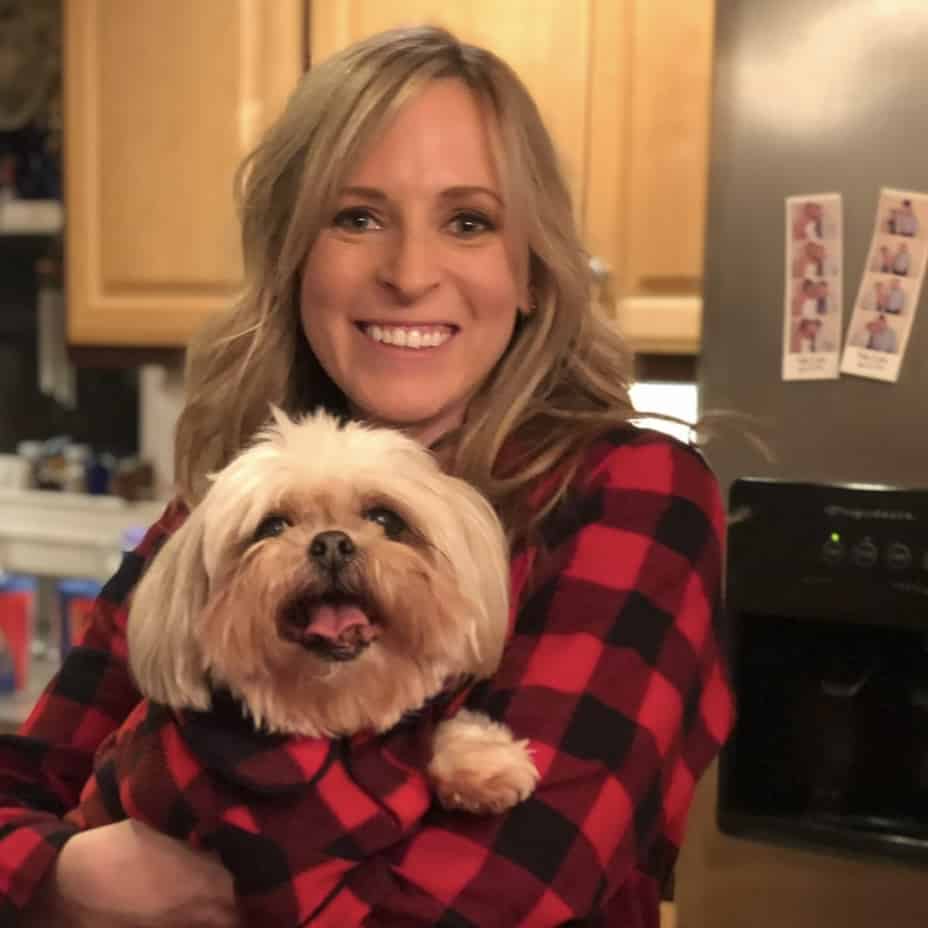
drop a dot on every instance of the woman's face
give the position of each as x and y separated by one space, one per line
410 292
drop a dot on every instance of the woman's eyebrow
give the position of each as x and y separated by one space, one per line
458 192
466 190
365 193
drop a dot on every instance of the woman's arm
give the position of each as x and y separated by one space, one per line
616 676
44 767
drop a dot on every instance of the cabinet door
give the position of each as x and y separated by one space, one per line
623 86
651 99
162 99
547 42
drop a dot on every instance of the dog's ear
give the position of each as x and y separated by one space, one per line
476 545
164 653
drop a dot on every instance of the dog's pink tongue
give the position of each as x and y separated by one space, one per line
332 621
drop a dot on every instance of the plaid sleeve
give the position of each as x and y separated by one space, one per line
615 674
44 767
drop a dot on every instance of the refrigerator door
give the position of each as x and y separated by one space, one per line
830 96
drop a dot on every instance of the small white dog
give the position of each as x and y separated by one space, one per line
334 579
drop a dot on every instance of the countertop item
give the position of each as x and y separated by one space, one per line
51 535
15 707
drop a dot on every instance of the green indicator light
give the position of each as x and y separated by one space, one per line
835 536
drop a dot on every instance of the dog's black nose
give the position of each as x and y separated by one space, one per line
331 550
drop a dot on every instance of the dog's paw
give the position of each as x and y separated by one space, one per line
477 766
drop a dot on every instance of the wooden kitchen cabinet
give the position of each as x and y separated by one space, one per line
529 34
658 246
163 97
624 86
161 100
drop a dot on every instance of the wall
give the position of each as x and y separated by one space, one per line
671 399
161 396
105 415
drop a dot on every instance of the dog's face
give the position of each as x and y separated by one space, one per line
333 578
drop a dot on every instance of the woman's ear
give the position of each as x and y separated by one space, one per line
164 653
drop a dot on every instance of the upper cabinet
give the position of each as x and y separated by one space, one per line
657 250
624 86
162 98
546 41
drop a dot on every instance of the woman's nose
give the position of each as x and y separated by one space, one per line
410 264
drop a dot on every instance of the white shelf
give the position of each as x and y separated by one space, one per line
66 534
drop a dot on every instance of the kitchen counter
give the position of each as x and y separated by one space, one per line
53 535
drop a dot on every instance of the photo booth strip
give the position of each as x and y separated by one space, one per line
813 304
890 286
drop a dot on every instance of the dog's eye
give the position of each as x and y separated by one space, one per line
270 527
392 524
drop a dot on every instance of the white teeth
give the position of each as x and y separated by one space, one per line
407 338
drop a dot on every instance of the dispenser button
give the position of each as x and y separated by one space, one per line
898 556
832 551
865 553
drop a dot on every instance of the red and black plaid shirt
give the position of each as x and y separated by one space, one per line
290 817
614 672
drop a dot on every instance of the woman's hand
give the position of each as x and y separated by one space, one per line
127 875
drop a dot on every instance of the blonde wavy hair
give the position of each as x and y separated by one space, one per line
562 381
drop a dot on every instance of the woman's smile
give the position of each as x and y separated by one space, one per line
414 337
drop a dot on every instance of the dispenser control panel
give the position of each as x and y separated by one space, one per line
841 549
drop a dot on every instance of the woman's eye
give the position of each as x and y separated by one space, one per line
356 219
392 524
271 527
470 225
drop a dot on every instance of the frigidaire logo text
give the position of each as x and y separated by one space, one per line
894 515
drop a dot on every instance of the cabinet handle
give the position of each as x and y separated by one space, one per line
599 269
603 285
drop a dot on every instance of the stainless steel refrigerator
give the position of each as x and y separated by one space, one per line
809 97
830 95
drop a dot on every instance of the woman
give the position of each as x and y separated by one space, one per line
411 259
